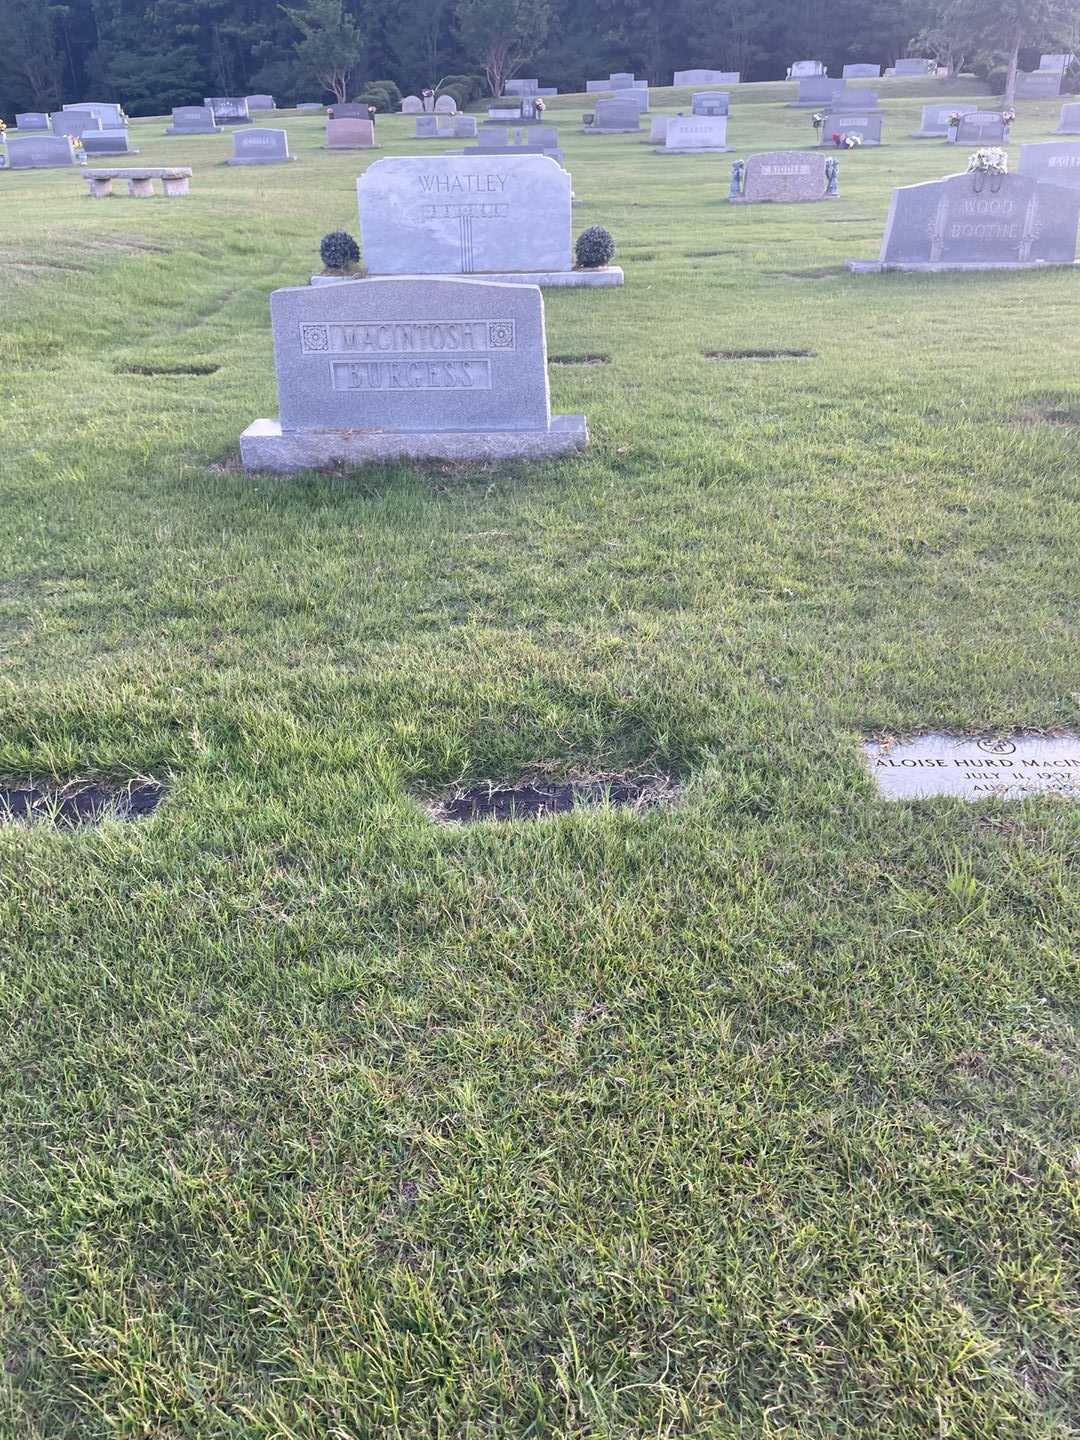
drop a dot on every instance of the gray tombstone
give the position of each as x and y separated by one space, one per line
658 129
706 77
912 65
32 120
1055 161
427 127
348 110
935 122
617 116
519 140
465 214
1060 63
845 99
229 109
41 152
806 69
687 134
260 102
350 135
435 368
785 177
260 147
75 122
1069 123
310 105
818 90
844 122
979 222
862 71
980 127
192 120
465 127
110 114
412 105
446 105
108 142
710 102
1038 84
522 87
621 80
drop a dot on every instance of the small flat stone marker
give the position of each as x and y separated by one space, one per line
1008 768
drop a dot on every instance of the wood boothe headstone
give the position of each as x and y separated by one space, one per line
433 368
978 222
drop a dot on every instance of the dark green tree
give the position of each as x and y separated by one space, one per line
502 35
330 45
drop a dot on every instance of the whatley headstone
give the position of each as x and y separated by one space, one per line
1055 161
1011 767
442 368
687 134
978 222
784 177
193 120
502 216
260 147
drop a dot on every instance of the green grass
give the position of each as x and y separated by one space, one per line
751 1117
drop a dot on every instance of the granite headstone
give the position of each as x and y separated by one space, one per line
706 77
980 127
710 102
350 135
818 90
260 102
617 116
192 120
1069 123
1007 767
1055 161
1038 84
862 71
260 147
806 69
229 109
33 120
412 105
110 114
688 133
784 177
41 152
934 124
75 122
845 122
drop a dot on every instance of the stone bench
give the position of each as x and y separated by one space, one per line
174 180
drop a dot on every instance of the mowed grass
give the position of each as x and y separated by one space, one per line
751 1116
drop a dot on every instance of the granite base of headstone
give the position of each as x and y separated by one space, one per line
784 177
978 221
107 142
426 368
260 147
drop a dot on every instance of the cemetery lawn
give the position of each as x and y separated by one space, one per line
754 1115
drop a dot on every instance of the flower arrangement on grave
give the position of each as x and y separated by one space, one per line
818 119
539 106
339 252
843 141
595 248
955 118
1007 117
989 162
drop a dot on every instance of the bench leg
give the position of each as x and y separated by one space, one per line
140 188
101 189
176 187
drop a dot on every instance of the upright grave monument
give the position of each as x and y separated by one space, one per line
523 140
913 65
861 71
229 109
838 123
1038 84
108 142
350 135
617 116
110 114
504 217
805 69
42 152
260 102
979 127
706 77
75 122
1060 62
260 147
934 124
818 90
784 177
978 221
412 105
438 368
710 102
193 120
1069 123
34 120
695 134
1055 161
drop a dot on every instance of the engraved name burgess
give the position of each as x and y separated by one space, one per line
410 374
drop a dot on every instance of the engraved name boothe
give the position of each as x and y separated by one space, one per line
989 229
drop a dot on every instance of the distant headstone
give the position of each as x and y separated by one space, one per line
308 105
862 71
261 102
412 105
432 368
33 120
260 147
192 120
108 142
427 127
706 77
710 102
980 127
658 129
1055 161
843 122
688 133
110 114
784 177
1069 124
621 80
617 116
1060 63
845 99
74 122
522 87
1007 768
41 152
912 65
348 110
464 127
979 221
229 109
350 135
1038 84
446 105
519 140
806 69
935 122
818 90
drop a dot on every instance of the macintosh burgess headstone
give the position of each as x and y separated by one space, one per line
437 368
978 221
783 177
503 217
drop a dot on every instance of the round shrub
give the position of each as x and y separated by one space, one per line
339 250
470 87
594 248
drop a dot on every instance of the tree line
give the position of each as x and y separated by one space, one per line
153 54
